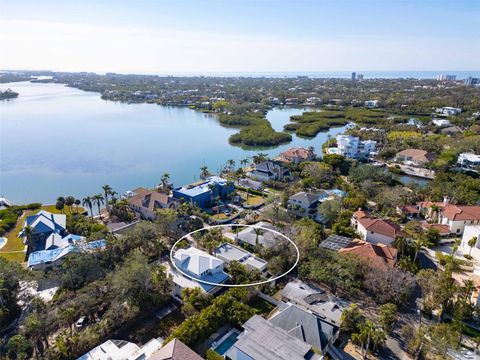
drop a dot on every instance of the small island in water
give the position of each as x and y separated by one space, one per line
8 94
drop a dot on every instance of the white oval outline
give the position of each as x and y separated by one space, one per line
234 285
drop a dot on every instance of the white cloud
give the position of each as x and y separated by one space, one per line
82 47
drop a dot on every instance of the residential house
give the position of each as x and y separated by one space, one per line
269 170
204 193
379 255
43 225
175 350
5 203
443 230
469 161
313 299
229 252
297 155
415 157
263 340
410 211
448 110
373 230
250 184
122 350
56 253
258 233
371 103
146 202
441 122
456 217
336 242
197 265
305 326
304 204
352 147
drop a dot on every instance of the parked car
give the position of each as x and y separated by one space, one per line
81 322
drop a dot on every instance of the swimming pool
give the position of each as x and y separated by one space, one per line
227 343
3 241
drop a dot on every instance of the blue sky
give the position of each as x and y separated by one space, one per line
240 35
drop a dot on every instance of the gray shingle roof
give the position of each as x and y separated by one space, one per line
305 326
262 340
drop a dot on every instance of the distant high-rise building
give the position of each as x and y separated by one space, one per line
360 77
471 81
443 77
354 76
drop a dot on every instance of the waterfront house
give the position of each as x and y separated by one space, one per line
174 350
415 157
374 230
269 170
5 203
297 155
469 161
263 340
43 225
313 299
304 204
197 264
305 326
379 255
229 252
58 251
204 193
351 147
146 202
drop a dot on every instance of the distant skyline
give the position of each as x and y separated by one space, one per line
217 36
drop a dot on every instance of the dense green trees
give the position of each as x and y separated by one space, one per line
10 276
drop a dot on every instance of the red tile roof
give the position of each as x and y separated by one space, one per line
380 226
378 255
442 229
360 214
461 212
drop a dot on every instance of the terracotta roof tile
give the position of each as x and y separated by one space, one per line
379 255
380 226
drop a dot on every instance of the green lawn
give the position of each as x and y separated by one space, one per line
261 306
253 200
67 210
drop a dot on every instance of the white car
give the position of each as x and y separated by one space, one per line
81 322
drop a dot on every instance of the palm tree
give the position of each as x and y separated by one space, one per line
400 243
107 190
472 242
69 201
27 232
434 209
88 202
165 182
259 158
244 162
78 202
60 204
68 315
98 199
204 172
231 164
258 232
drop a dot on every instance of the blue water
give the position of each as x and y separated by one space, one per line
59 141
227 344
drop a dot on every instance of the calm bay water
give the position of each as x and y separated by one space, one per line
59 141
